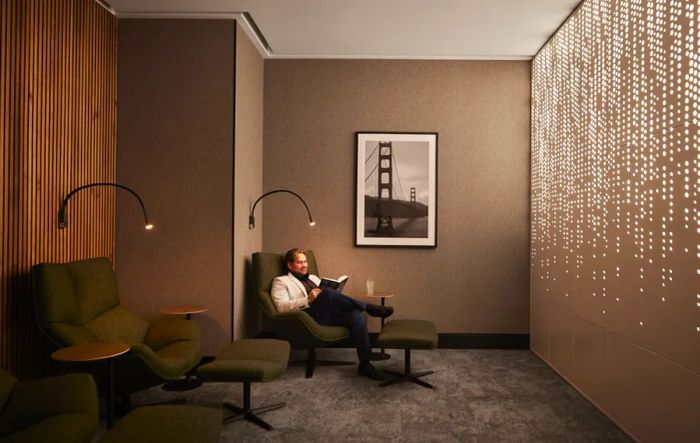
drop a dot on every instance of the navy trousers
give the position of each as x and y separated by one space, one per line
333 308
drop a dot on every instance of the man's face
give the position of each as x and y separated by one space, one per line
299 265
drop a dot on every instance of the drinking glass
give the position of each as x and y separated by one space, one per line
370 286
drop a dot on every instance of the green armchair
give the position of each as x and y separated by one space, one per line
78 303
56 409
298 328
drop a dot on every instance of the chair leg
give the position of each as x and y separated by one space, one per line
311 362
248 413
407 375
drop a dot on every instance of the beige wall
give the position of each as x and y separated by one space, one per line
476 280
175 147
615 239
248 179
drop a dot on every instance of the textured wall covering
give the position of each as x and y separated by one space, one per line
57 132
248 180
176 103
615 240
476 280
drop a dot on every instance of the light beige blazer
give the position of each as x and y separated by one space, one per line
289 294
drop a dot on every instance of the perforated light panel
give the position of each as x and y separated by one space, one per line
615 229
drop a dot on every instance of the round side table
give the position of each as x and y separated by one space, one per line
382 355
186 310
93 352
187 383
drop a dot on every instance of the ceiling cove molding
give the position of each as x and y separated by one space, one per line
244 19
106 6
257 37
402 57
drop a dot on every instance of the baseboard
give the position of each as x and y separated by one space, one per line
483 341
455 340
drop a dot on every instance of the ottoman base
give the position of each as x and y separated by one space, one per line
247 413
400 377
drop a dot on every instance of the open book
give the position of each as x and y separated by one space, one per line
338 284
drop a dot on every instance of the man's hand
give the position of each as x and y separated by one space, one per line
313 294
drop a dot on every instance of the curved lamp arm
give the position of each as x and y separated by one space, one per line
251 217
62 211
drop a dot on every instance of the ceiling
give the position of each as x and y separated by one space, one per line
406 29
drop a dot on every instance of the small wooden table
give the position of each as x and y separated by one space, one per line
186 310
382 355
188 382
94 352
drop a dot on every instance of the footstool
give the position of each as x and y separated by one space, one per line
248 361
408 335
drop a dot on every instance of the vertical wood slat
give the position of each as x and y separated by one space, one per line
57 120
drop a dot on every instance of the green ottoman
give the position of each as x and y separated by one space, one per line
407 335
248 361
168 424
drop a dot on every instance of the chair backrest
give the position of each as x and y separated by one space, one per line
78 302
267 266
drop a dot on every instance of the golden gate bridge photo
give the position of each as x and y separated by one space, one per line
392 206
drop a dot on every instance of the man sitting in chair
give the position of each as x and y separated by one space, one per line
299 291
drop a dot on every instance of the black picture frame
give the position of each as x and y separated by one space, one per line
396 189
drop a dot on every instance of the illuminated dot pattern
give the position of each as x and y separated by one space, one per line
615 170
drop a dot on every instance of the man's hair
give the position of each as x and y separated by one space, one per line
291 255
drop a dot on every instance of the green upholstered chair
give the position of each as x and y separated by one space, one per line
78 303
54 409
298 328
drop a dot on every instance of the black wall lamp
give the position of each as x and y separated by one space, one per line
62 211
251 217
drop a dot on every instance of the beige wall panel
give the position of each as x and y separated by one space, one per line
248 179
589 359
539 327
176 149
615 189
476 280
561 339
652 397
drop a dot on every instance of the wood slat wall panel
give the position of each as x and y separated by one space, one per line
57 132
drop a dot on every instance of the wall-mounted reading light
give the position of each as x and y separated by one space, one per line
62 211
251 217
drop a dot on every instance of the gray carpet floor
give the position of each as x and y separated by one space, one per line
480 396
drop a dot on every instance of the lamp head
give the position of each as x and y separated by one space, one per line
312 223
149 226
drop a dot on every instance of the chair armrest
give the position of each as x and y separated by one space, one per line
35 400
163 332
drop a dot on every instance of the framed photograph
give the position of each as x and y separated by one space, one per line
396 189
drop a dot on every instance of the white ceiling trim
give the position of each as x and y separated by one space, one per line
238 16
265 53
374 29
